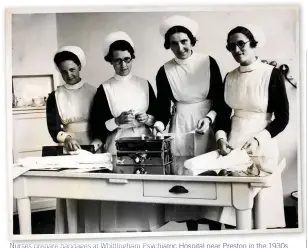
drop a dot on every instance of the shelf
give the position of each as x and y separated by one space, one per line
23 110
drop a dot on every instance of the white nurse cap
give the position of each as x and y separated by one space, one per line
177 20
75 50
115 36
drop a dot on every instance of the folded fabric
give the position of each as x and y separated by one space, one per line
78 152
82 160
237 159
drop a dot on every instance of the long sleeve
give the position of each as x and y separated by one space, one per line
152 109
152 102
278 104
223 119
99 115
164 98
216 88
53 118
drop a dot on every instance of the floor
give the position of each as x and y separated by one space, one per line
43 222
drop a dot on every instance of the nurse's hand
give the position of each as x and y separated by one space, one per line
224 147
125 117
251 146
71 144
203 125
142 117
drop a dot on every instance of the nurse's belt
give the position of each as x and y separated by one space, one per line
236 160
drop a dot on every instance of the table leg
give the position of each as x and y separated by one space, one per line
243 219
24 214
259 221
92 216
71 206
60 216
242 200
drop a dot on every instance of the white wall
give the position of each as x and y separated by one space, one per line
34 41
88 30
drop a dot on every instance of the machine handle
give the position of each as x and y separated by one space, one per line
178 189
118 181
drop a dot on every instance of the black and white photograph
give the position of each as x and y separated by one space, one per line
154 120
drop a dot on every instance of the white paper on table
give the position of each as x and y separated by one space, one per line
237 159
82 160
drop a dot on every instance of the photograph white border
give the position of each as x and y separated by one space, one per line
302 107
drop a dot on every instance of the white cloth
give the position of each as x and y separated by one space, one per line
74 104
82 160
236 160
74 108
126 93
189 80
246 91
123 94
186 141
177 20
115 36
77 51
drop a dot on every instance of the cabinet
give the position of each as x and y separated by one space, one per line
29 136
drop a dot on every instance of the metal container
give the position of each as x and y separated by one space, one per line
144 155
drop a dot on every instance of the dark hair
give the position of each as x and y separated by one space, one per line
66 55
178 29
244 31
121 45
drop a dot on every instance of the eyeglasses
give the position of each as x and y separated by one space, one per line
127 60
240 44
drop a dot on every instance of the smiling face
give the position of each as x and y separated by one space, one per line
70 72
242 52
122 62
180 45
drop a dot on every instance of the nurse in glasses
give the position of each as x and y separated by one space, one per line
256 93
124 107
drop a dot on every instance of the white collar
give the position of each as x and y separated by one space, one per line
127 77
251 67
75 86
185 61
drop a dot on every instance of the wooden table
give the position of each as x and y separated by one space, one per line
201 190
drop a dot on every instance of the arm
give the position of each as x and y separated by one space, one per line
216 88
223 118
101 120
164 97
53 120
278 104
152 106
96 142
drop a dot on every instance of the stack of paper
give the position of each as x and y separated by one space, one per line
82 161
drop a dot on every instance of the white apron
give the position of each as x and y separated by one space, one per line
190 82
246 92
74 103
124 94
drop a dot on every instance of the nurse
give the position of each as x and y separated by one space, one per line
192 82
124 106
255 91
67 111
